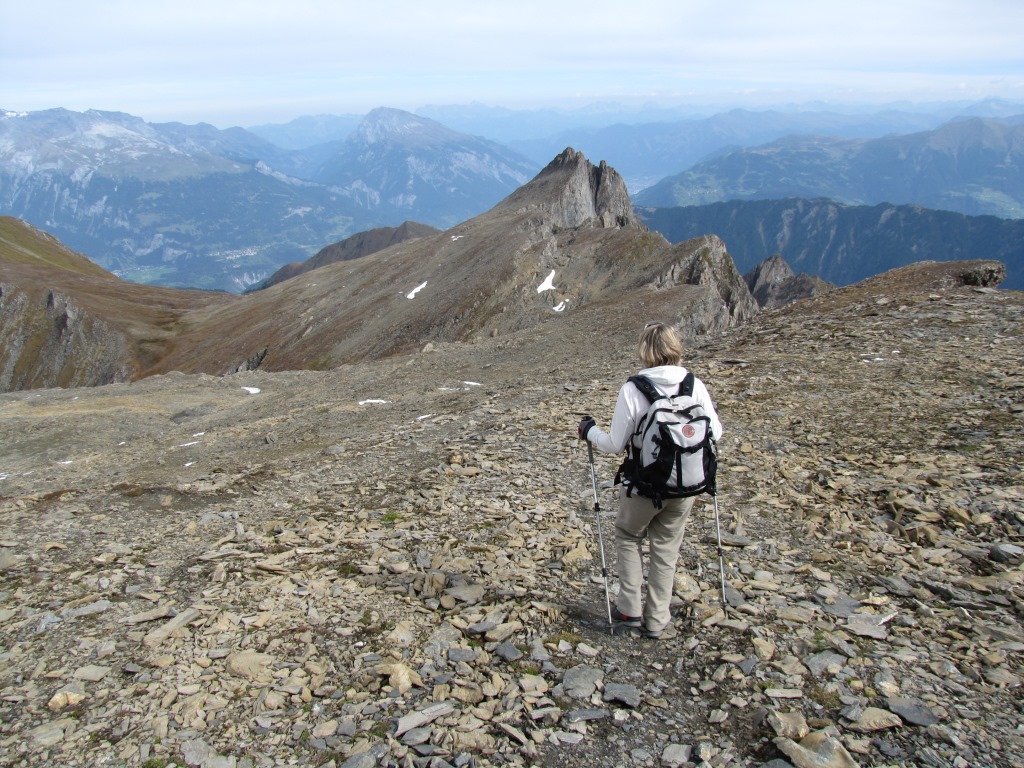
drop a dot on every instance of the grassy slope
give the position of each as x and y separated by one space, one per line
21 243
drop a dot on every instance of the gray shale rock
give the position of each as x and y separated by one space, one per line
147 572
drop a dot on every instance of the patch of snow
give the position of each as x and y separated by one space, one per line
457 237
471 383
417 289
251 390
421 418
371 401
548 284
560 306
186 445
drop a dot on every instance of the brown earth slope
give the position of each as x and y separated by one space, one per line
355 247
64 321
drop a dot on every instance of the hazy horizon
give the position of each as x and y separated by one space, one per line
241 64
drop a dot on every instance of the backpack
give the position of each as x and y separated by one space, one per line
672 452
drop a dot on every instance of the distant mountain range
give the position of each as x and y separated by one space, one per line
395 161
844 244
195 206
645 145
972 166
308 131
649 152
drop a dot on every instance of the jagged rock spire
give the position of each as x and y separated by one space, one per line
575 191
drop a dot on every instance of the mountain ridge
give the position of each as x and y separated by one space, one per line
773 283
354 247
842 243
565 240
972 166
22 243
399 162
66 322
195 206
647 152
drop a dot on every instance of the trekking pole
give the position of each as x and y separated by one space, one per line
721 552
600 539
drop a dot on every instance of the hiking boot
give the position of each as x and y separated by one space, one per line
619 619
658 634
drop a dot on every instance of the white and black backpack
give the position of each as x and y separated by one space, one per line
672 451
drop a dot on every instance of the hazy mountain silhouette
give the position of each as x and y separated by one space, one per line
971 166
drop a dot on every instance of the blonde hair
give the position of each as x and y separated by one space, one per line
659 345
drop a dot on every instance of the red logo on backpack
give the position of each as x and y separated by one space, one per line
688 431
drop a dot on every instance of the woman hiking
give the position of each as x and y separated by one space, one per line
661 522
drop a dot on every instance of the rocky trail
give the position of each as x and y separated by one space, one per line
396 563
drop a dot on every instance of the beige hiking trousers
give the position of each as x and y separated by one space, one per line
638 519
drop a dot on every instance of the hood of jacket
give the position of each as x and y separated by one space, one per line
665 377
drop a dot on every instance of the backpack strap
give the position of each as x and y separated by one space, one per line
686 385
648 390
646 387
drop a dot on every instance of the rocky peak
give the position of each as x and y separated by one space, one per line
774 284
592 192
575 191
395 125
705 261
772 271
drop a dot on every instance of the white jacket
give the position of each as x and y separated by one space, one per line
632 405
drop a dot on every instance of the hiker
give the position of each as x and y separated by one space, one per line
662 522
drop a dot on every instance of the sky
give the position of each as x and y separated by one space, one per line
268 61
